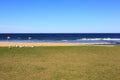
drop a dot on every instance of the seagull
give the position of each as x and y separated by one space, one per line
29 38
20 46
8 37
32 46
16 45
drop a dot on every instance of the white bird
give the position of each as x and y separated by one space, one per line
8 37
32 46
29 38
20 46
16 45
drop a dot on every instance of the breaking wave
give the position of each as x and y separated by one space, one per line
107 39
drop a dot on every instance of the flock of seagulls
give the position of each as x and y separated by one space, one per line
19 46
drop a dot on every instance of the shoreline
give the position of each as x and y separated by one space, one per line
28 44
33 44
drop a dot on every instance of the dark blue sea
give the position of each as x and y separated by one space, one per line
78 38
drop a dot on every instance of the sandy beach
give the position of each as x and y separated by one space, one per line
22 44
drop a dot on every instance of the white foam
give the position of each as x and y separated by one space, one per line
111 38
99 39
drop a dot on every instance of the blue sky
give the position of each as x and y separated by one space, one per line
59 16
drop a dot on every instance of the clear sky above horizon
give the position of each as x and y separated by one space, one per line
59 16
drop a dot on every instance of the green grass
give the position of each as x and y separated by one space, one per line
60 63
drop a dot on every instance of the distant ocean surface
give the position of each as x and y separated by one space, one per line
78 38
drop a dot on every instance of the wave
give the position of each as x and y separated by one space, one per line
107 39
64 40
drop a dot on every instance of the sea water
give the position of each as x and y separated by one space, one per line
78 38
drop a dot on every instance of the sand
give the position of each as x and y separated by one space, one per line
19 44
27 44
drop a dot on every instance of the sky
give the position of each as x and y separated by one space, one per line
59 16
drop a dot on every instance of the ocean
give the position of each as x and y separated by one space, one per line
78 38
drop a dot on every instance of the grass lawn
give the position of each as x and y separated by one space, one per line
60 63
